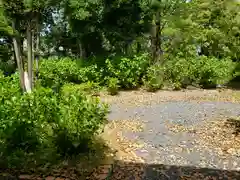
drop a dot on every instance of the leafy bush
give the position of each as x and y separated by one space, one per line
205 71
9 86
237 72
90 73
153 80
177 72
80 119
113 86
44 119
86 88
24 119
54 73
212 71
128 71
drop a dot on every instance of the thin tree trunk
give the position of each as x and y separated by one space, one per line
29 49
80 49
138 47
37 48
153 39
33 47
18 58
158 37
33 56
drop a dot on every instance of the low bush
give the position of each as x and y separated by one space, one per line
9 86
25 124
132 72
42 120
80 119
210 71
88 88
177 72
128 71
112 85
54 73
91 73
205 71
153 80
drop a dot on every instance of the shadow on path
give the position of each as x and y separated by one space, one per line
138 171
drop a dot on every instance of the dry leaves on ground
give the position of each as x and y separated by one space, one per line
140 97
220 135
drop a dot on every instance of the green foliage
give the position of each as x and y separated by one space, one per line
199 41
90 73
112 84
128 71
177 71
9 86
88 88
237 71
205 71
213 71
153 80
54 73
25 119
35 122
80 119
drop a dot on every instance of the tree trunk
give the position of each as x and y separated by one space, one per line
33 55
29 55
37 48
153 39
80 49
138 49
18 57
158 37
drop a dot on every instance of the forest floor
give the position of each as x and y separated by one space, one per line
190 134
169 135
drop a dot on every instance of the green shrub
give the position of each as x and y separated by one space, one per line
80 119
25 118
42 120
9 86
213 71
237 72
90 73
128 71
177 72
204 71
113 85
154 78
54 73
87 88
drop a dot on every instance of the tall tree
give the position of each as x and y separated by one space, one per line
218 25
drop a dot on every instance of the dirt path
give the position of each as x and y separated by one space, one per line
184 135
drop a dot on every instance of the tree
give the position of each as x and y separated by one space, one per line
218 27
162 12
25 15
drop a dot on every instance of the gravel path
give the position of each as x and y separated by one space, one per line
177 155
